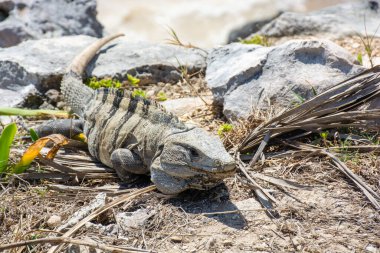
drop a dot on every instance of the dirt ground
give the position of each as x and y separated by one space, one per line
329 215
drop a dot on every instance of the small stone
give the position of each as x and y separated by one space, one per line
47 106
61 104
210 243
52 95
150 93
54 221
176 239
372 248
227 242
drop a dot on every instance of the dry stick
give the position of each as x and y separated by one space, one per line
260 149
352 175
58 240
372 196
259 191
101 210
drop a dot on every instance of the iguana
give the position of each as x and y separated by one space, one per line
134 136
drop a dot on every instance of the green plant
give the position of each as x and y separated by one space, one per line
299 99
94 83
161 96
367 43
134 81
257 40
324 135
6 139
174 40
360 58
8 111
33 135
224 128
139 93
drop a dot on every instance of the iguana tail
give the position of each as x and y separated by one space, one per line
75 93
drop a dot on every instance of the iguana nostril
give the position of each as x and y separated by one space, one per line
3 14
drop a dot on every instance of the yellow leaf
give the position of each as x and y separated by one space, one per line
33 151
80 137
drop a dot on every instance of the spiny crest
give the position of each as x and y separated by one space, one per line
102 93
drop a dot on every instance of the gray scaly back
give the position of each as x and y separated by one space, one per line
75 93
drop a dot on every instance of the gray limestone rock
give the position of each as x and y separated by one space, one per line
332 22
41 63
243 77
249 28
33 19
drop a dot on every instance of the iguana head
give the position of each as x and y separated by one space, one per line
190 159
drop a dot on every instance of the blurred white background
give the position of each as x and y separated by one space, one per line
204 23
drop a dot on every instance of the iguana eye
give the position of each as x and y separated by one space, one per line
194 153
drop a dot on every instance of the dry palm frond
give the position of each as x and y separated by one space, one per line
340 106
337 107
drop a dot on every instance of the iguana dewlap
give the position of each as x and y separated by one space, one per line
136 136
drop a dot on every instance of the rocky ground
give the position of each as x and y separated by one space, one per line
323 211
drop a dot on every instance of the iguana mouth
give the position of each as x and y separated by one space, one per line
215 171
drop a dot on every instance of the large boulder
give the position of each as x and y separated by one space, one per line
249 28
41 63
243 77
33 19
359 17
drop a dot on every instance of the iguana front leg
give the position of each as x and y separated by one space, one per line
127 164
164 182
67 127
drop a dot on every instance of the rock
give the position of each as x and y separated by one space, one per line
53 95
151 63
176 239
210 243
54 221
243 77
180 106
33 19
227 243
134 220
251 27
20 95
97 202
336 21
73 248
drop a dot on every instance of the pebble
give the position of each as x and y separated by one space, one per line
176 239
227 242
54 221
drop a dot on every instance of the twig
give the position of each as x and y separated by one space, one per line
118 201
237 211
59 240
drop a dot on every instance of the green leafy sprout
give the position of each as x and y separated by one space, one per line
139 93
95 83
224 128
134 81
360 58
256 40
161 96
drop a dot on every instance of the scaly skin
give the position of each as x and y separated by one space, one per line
137 136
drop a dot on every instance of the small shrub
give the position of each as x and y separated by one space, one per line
94 83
